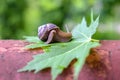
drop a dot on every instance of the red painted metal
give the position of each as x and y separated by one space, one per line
102 64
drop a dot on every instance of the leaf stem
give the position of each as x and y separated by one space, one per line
94 40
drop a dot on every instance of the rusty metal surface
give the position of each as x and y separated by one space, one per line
102 64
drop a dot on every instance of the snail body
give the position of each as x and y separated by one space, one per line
51 33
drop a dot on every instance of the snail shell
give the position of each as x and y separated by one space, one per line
51 33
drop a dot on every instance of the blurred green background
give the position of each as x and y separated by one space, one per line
20 18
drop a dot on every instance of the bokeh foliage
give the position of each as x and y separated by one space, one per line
20 18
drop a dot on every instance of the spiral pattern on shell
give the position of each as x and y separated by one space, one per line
44 30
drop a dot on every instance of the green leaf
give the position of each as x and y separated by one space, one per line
32 39
60 60
92 19
84 52
82 32
36 42
35 45
58 56
42 45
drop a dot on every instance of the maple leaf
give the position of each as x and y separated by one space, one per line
35 42
58 56
32 39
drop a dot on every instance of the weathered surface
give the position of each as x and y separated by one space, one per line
102 64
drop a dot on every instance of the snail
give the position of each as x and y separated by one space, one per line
50 33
